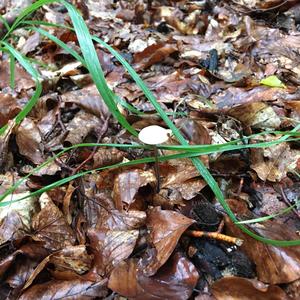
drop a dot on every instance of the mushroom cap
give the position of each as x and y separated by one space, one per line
154 135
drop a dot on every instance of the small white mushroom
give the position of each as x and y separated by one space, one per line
154 135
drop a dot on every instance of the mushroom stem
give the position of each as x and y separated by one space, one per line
156 168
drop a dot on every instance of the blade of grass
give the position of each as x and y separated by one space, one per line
91 59
28 67
12 65
118 165
203 149
262 219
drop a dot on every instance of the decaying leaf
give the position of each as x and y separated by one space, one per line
72 289
256 115
237 288
15 219
274 265
175 280
127 184
274 162
114 237
71 259
166 228
153 54
51 227
29 141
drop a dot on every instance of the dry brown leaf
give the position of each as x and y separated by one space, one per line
106 157
9 108
237 288
78 132
274 162
274 265
51 226
127 184
153 54
257 115
29 141
72 258
89 99
69 290
166 228
236 96
175 280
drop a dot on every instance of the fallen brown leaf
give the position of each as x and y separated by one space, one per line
73 289
114 237
274 265
127 184
166 228
175 280
237 288
29 141
51 226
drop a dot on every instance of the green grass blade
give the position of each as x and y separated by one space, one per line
5 23
91 59
28 67
262 219
118 165
12 65
25 13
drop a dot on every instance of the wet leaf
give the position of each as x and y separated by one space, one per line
237 288
51 226
127 184
15 219
274 265
115 237
73 289
166 228
72 259
175 280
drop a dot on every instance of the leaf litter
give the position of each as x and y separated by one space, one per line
222 70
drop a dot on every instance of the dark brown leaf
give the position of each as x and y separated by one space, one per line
114 237
51 227
22 78
153 54
237 288
72 258
69 290
89 99
9 108
166 228
175 280
274 265
127 184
